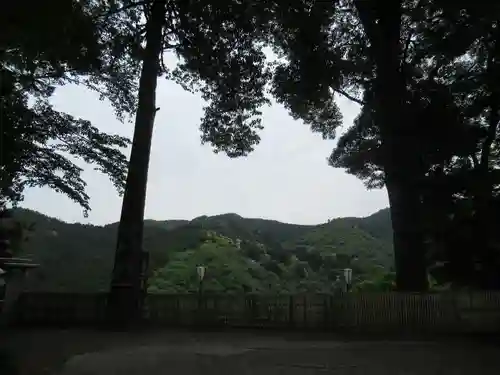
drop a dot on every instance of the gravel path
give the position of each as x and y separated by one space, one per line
96 353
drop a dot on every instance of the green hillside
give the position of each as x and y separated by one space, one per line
240 254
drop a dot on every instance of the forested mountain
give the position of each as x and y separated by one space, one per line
240 254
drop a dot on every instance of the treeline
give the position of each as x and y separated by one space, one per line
240 255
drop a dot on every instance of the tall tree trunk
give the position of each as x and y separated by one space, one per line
126 294
484 214
382 24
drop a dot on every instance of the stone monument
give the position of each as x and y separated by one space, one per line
12 270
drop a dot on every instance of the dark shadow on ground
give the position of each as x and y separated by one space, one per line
85 352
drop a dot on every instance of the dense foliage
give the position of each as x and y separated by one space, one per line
452 64
240 254
42 47
424 73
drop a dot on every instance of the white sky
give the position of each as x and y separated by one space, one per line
287 177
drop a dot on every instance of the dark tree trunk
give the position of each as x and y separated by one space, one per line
125 298
484 212
408 238
382 24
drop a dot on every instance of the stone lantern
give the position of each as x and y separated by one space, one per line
12 272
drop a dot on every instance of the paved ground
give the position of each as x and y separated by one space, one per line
74 352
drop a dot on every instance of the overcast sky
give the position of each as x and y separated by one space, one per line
287 177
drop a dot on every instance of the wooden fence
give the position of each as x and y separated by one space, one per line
368 312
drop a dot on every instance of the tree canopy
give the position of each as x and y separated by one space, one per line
454 105
43 47
423 73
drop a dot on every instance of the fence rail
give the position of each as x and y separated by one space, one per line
368 312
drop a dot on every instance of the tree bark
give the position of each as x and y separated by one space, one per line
402 167
484 213
125 298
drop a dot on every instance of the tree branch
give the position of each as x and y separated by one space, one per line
350 97
475 160
124 8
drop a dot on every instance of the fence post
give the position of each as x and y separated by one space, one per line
325 311
291 311
255 309
331 311
304 312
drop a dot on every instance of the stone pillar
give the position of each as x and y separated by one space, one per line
14 281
